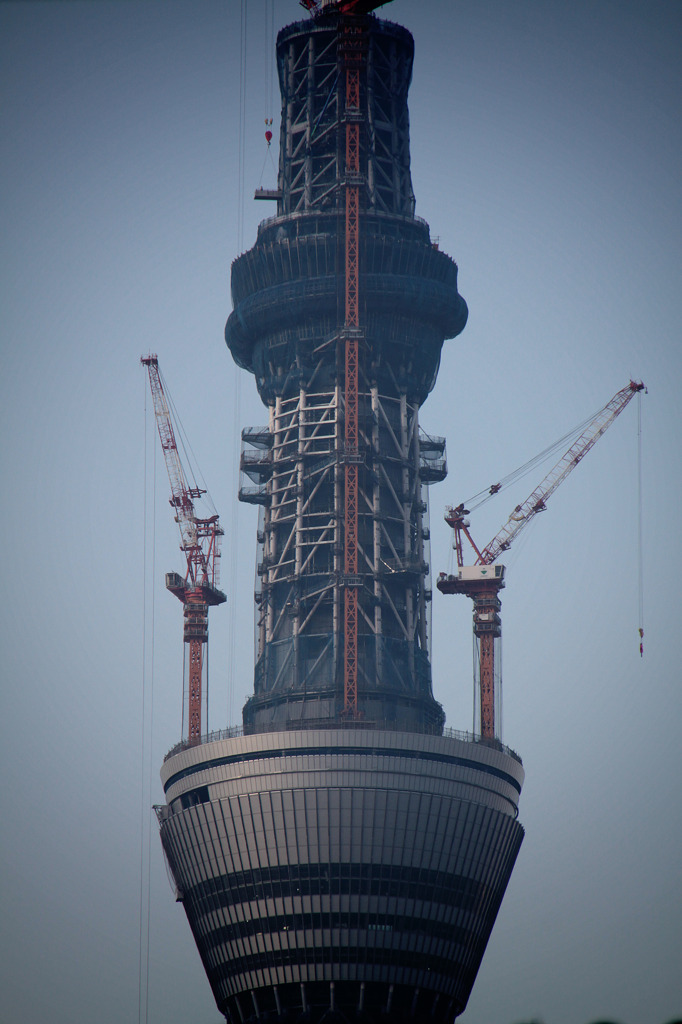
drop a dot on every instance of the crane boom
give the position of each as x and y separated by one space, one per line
182 494
537 501
483 580
200 542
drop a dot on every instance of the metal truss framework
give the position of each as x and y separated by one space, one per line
340 312
312 150
295 470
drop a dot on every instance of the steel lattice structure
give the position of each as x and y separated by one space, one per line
341 309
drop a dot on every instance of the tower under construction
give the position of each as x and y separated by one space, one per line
342 856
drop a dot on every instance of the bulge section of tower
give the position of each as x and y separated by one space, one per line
287 328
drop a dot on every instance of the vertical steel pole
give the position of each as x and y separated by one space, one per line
487 628
196 636
352 55
195 666
487 685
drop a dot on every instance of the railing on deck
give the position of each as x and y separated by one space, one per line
237 730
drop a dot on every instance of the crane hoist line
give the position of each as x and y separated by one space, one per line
200 542
482 579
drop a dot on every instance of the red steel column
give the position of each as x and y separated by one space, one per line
196 636
195 666
487 685
487 629
352 47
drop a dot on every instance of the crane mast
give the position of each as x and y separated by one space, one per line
484 580
200 542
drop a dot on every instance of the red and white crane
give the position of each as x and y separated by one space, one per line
483 580
200 542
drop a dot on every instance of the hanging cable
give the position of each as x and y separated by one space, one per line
268 46
266 62
236 389
146 736
268 153
143 731
268 83
473 503
271 48
234 552
150 735
190 462
640 553
242 126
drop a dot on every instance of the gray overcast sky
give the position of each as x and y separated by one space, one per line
546 157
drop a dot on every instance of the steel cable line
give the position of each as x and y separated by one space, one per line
640 552
236 378
473 503
190 463
146 766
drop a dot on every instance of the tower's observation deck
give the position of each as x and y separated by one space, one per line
287 328
353 870
336 866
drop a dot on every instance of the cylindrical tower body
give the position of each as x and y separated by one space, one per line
287 328
342 866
